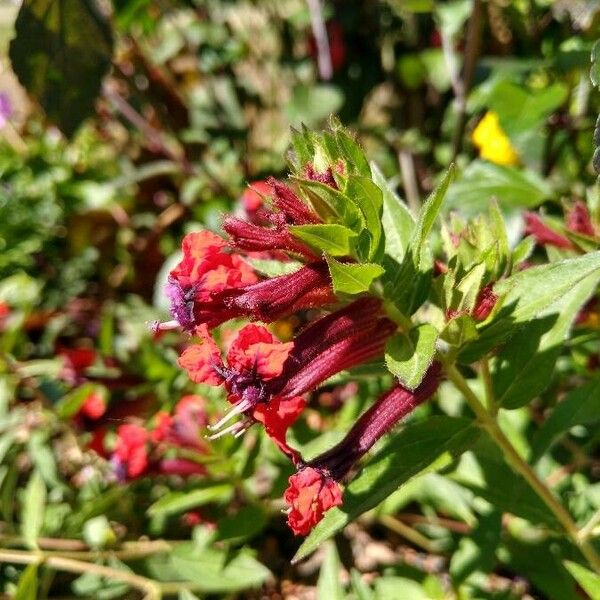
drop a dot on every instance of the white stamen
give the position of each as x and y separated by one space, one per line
238 409
157 326
234 429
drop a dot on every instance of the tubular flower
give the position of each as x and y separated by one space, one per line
278 297
493 144
204 270
341 340
579 219
272 233
252 198
183 428
130 457
544 236
254 358
311 494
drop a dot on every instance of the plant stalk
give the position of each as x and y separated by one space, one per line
520 466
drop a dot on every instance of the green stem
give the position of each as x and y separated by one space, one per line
150 588
488 387
488 422
588 529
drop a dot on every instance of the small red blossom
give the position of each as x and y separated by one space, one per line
93 406
277 416
199 360
183 428
486 300
181 467
579 219
205 270
310 494
4 310
256 349
544 236
130 456
252 198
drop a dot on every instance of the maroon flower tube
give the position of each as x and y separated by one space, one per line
544 236
295 210
275 298
374 423
315 488
254 238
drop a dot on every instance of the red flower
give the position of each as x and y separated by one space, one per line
278 297
579 220
4 310
256 350
486 300
310 494
93 406
543 235
314 489
130 457
277 416
204 270
183 429
199 360
181 467
252 198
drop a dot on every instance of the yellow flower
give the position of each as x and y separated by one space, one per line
492 142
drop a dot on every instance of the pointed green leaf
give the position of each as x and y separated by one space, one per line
579 407
526 362
398 223
416 266
408 356
368 197
60 53
27 588
34 506
336 240
526 295
430 444
352 278
328 584
588 580
177 502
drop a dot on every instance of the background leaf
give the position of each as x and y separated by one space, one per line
61 52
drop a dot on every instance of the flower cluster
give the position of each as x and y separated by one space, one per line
139 451
265 379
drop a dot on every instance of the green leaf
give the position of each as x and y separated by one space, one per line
212 571
398 223
352 278
34 505
525 365
408 356
579 407
588 580
416 266
273 268
480 181
477 552
430 444
485 472
354 155
369 198
526 295
98 533
390 587
328 584
336 240
361 590
246 523
331 204
61 51
27 588
314 103
177 502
